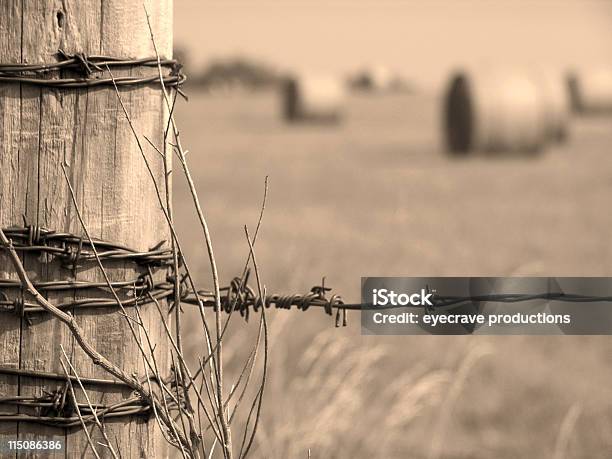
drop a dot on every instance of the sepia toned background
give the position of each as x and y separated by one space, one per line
375 193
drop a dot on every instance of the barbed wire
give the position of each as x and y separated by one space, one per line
145 290
237 296
85 64
87 67
58 407
72 249
142 294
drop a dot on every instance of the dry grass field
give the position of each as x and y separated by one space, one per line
376 195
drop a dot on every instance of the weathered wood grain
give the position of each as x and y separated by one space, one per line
86 130
12 196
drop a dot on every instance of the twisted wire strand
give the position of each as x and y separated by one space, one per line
89 67
146 295
73 250
58 407
86 64
242 299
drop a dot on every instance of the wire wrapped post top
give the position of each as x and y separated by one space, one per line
91 70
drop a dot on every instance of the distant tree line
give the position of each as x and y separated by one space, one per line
230 73
240 72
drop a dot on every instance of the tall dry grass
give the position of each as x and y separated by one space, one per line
334 400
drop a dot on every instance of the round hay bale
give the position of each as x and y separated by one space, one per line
382 78
591 91
373 79
493 111
312 98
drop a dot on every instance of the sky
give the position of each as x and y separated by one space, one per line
422 40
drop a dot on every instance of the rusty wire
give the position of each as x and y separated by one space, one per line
239 296
243 299
144 292
74 250
231 300
143 295
58 407
71 249
89 68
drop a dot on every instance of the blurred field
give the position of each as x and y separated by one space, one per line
377 196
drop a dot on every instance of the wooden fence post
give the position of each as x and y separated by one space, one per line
85 128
